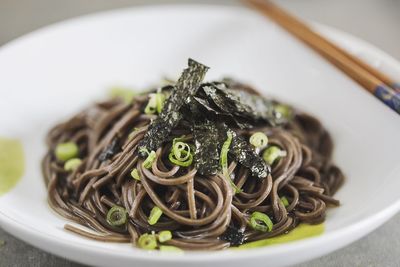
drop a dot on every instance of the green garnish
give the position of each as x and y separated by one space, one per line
147 241
151 156
72 164
224 161
66 151
135 174
273 153
180 154
123 93
261 222
170 249
164 236
155 104
117 216
285 201
155 215
258 139
283 111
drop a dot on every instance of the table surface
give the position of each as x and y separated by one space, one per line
376 21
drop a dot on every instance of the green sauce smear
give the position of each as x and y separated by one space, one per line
300 232
11 163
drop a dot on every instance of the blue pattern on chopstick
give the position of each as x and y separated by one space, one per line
389 97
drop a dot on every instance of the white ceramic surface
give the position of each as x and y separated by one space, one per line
52 73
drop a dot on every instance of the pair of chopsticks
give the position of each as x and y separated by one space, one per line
374 81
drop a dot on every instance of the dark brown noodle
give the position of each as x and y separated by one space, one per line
196 209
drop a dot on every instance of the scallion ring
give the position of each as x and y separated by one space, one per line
116 216
181 153
258 139
261 222
147 241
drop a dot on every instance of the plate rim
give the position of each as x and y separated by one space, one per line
48 242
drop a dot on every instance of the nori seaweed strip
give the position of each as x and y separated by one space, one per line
207 143
233 235
245 154
110 150
240 104
161 127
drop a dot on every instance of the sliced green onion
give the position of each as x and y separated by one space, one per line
135 174
283 111
261 222
66 151
151 156
160 99
117 216
155 215
180 154
223 159
258 139
72 164
170 249
155 104
147 241
273 153
164 236
123 93
285 201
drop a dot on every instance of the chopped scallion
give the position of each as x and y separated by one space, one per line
258 139
283 111
135 174
164 236
224 161
273 153
117 216
72 164
66 151
155 215
147 241
151 156
155 104
261 222
285 201
180 154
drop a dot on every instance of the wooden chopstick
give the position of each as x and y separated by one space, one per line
371 79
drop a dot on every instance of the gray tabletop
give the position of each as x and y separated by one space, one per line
376 21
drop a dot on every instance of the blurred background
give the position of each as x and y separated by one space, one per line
376 21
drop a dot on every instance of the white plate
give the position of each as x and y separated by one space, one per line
54 72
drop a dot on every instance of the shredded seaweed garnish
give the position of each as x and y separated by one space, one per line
207 143
244 153
241 105
110 150
186 86
233 235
